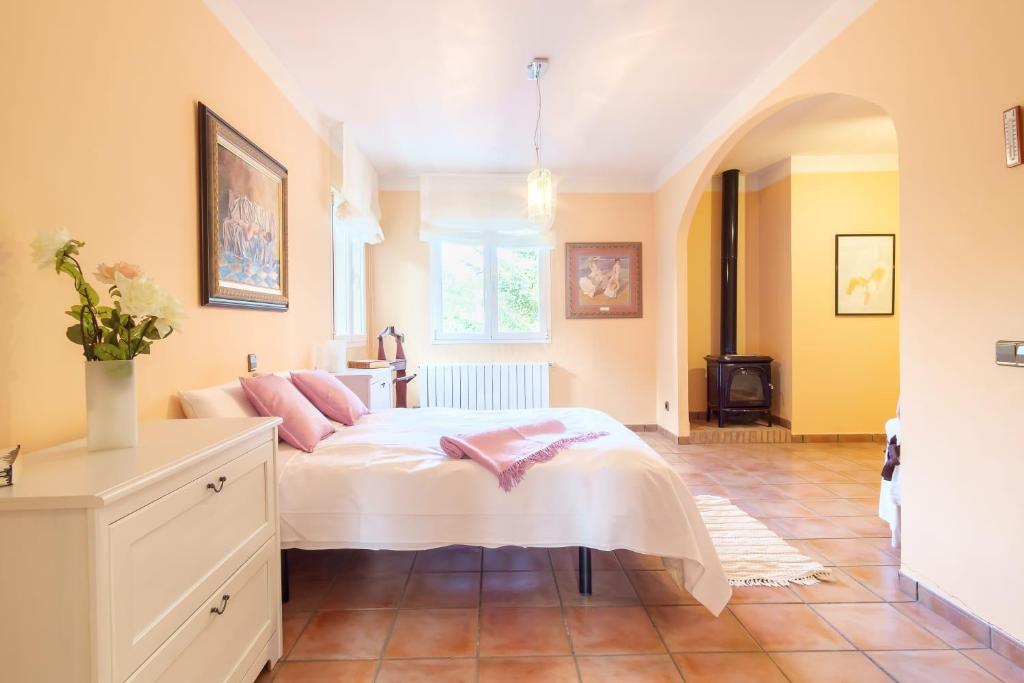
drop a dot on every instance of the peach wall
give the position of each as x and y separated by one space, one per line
944 71
845 369
100 136
603 364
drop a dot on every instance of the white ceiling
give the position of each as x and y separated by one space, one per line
826 125
440 85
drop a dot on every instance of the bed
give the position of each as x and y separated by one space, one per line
384 483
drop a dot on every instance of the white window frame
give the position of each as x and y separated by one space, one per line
491 334
348 262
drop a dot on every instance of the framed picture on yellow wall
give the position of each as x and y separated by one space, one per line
604 280
865 274
244 219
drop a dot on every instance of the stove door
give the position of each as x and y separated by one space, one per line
747 387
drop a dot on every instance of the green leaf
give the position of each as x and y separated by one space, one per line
143 347
153 333
88 294
74 333
75 311
109 352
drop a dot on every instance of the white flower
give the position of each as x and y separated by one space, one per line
170 315
141 297
46 245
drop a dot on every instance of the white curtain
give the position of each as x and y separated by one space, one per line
480 208
356 203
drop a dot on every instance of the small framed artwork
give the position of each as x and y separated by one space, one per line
604 280
865 274
1011 136
243 199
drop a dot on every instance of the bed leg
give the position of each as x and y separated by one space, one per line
284 576
586 581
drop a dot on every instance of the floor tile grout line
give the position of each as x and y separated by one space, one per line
565 620
394 620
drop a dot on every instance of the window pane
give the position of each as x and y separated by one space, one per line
358 289
462 289
342 287
518 290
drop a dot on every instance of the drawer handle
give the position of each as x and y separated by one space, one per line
217 487
223 605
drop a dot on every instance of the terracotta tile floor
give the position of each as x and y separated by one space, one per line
466 615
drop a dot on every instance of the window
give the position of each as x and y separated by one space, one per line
484 293
349 287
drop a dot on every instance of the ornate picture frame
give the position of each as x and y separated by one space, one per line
243 197
604 280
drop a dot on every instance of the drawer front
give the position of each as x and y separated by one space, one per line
166 558
380 392
215 648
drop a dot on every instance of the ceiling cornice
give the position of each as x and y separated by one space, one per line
820 33
822 163
238 25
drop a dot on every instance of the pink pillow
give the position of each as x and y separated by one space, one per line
272 396
330 395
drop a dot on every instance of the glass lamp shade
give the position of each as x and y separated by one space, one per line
540 196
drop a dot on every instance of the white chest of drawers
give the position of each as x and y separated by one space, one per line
372 386
155 563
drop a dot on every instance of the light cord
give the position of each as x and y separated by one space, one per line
536 128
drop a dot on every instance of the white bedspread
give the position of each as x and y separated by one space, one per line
385 484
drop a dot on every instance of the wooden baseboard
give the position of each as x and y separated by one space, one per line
642 428
979 629
839 438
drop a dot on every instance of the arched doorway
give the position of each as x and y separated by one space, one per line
811 169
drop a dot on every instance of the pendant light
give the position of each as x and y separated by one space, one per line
540 199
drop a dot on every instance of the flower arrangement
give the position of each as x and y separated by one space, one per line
140 311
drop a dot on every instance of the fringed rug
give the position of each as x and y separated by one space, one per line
751 553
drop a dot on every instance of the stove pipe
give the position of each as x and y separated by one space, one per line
730 275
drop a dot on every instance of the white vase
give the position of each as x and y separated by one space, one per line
111 414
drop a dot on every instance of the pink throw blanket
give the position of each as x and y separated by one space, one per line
510 451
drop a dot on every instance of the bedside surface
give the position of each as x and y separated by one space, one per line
68 475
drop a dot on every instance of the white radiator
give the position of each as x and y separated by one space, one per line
484 386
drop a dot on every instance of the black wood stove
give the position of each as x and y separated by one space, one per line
738 385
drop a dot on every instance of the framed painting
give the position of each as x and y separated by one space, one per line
865 274
243 198
603 280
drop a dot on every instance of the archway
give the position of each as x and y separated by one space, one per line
814 167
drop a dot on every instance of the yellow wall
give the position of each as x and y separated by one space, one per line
99 123
787 280
703 296
943 71
774 291
704 293
604 364
845 368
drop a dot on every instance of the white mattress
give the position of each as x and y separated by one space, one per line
385 484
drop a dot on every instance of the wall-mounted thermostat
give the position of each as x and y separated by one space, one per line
1010 353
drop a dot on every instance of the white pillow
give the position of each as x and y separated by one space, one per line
225 400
